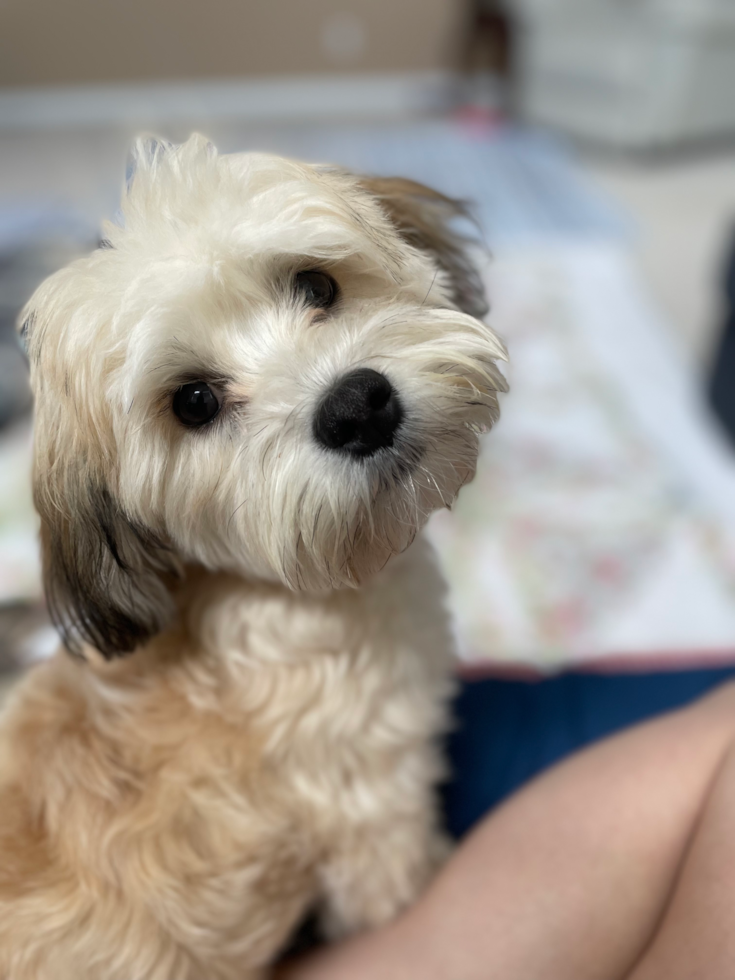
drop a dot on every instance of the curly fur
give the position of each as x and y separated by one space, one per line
270 746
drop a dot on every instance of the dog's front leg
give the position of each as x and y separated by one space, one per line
376 871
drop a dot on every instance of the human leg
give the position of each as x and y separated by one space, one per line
696 937
570 877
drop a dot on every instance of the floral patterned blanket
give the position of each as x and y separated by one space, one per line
601 523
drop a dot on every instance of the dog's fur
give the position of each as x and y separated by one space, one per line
270 745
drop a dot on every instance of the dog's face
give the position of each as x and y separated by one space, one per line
270 368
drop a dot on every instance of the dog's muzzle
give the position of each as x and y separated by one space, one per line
359 415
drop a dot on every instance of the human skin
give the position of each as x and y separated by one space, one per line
617 864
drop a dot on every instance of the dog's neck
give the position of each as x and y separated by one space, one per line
251 655
229 622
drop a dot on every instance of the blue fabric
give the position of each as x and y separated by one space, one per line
510 730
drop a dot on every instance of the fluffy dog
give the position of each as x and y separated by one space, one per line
249 400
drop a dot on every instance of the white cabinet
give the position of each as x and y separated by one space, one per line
635 74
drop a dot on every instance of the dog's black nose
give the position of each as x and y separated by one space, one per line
359 415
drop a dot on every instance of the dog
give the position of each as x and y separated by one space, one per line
248 401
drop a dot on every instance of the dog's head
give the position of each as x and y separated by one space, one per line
268 367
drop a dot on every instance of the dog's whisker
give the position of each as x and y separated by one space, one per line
423 301
232 515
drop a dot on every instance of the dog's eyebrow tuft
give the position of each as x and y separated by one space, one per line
183 363
105 243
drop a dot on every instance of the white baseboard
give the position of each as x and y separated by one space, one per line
263 100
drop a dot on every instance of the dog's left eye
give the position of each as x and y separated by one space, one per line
316 288
195 403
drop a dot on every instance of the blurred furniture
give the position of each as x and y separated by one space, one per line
87 42
633 74
488 60
722 388
148 64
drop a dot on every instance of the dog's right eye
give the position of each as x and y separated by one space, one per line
195 403
317 288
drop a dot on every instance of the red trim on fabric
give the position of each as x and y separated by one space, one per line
620 663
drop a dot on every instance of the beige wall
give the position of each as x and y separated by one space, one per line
46 42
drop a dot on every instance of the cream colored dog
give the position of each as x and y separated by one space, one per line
248 402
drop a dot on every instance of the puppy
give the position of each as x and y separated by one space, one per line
249 400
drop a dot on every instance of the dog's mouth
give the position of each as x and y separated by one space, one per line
391 495
391 467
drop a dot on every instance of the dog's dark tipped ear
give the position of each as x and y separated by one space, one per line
426 219
104 576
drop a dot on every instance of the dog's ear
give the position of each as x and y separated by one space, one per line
105 577
426 219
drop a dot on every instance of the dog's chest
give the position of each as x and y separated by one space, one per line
314 719
329 679
325 702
